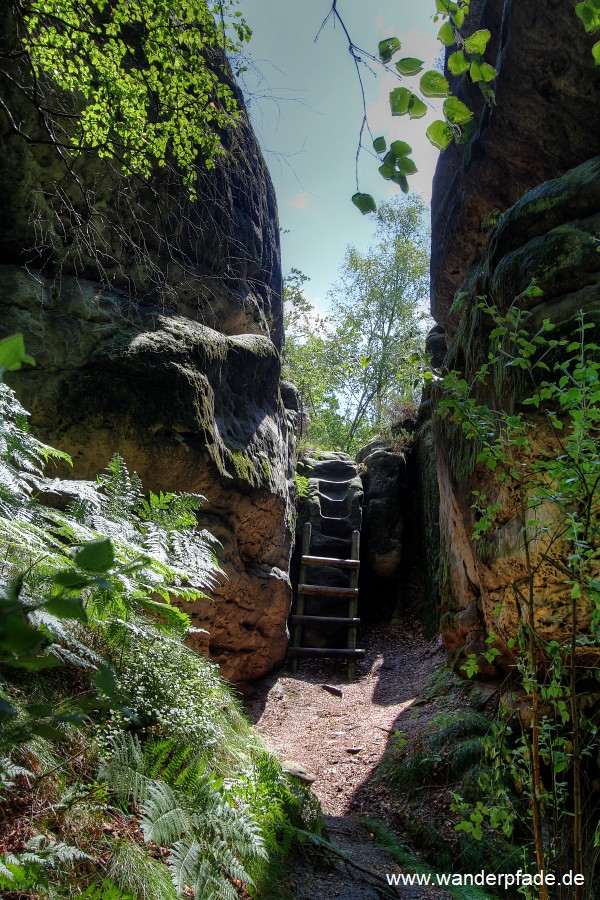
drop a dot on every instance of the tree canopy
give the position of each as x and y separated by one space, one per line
140 81
351 365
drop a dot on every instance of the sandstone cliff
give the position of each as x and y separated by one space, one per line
519 202
156 323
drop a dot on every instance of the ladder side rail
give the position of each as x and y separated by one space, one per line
353 603
300 603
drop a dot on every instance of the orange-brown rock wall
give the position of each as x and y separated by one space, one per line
519 202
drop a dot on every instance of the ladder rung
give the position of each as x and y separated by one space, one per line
325 620
327 561
323 651
323 590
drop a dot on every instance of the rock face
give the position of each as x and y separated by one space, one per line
168 354
189 409
425 507
385 505
544 121
519 202
550 236
215 260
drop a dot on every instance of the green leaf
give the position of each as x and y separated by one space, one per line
387 48
533 291
387 172
12 353
407 166
401 181
105 680
17 635
589 15
409 65
33 663
97 556
47 731
458 18
440 134
481 72
399 101
458 63
41 710
174 616
67 608
365 203
416 108
478 41
69 578
379 145
446 34
433 84
584 12
400 149
6 710
596 53
457 112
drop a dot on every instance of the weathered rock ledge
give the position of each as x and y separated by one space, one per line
189 409
550 235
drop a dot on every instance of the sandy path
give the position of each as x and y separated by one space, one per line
341 739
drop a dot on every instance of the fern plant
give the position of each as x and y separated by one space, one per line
85 592
111 557
211 840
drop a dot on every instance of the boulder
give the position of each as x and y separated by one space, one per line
214 259
384 476
189 409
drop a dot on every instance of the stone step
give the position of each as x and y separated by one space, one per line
329 545
339 528
334 508
332 470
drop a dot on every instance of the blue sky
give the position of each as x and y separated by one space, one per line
305 104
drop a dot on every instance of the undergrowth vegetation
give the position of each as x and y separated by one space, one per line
127 767
423 766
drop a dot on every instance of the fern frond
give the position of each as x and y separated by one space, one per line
228 861
186 862
5 872
175 619
165 815
122 772
192 864
42 851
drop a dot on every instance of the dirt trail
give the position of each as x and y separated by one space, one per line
340 740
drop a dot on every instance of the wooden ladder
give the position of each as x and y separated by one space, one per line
351 621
